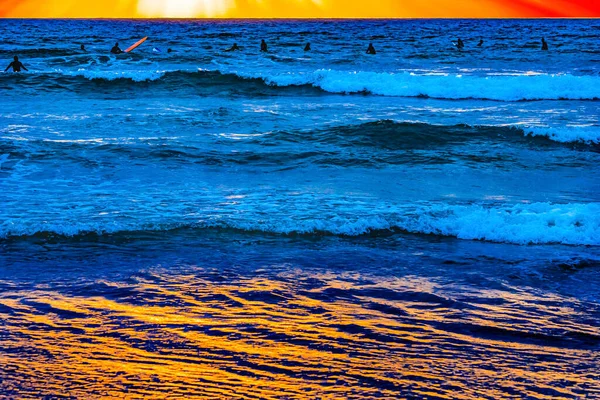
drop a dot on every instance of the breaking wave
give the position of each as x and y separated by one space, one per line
399 84
522 224
446 86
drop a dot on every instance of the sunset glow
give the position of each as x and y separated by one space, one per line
297 8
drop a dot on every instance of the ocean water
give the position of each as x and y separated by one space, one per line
422 223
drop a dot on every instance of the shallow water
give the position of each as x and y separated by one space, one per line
227 314
421 223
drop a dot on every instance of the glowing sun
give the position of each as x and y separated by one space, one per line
184 8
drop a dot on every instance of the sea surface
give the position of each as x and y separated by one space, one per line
421 223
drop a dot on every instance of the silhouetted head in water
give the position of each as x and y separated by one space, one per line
480 43
544 44
169 50
83 47
371 49
263 46
307 47
16 65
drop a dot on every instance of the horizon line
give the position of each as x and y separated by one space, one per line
293 18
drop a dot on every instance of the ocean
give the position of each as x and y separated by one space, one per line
420 223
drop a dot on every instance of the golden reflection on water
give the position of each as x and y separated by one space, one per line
293 335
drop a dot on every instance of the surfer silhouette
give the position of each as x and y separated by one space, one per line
371 49
116 49
83 47
16 65
480 43
263 46
544 44
307 47
460 44
235 47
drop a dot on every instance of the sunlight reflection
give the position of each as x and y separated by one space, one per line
328 335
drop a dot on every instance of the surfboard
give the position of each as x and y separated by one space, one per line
135 45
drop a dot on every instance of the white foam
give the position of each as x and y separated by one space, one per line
536 223
446 86
513 87
587 134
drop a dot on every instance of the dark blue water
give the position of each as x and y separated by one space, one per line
424 222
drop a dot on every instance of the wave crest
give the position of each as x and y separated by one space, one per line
537 223
454 87
398 84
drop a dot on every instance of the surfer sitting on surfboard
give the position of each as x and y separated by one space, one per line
16 65
460 44
116 49
371 49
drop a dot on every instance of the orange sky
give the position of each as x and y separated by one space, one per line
298 8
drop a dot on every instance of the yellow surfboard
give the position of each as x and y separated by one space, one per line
136 44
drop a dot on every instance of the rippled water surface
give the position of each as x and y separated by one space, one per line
224 315
422 223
